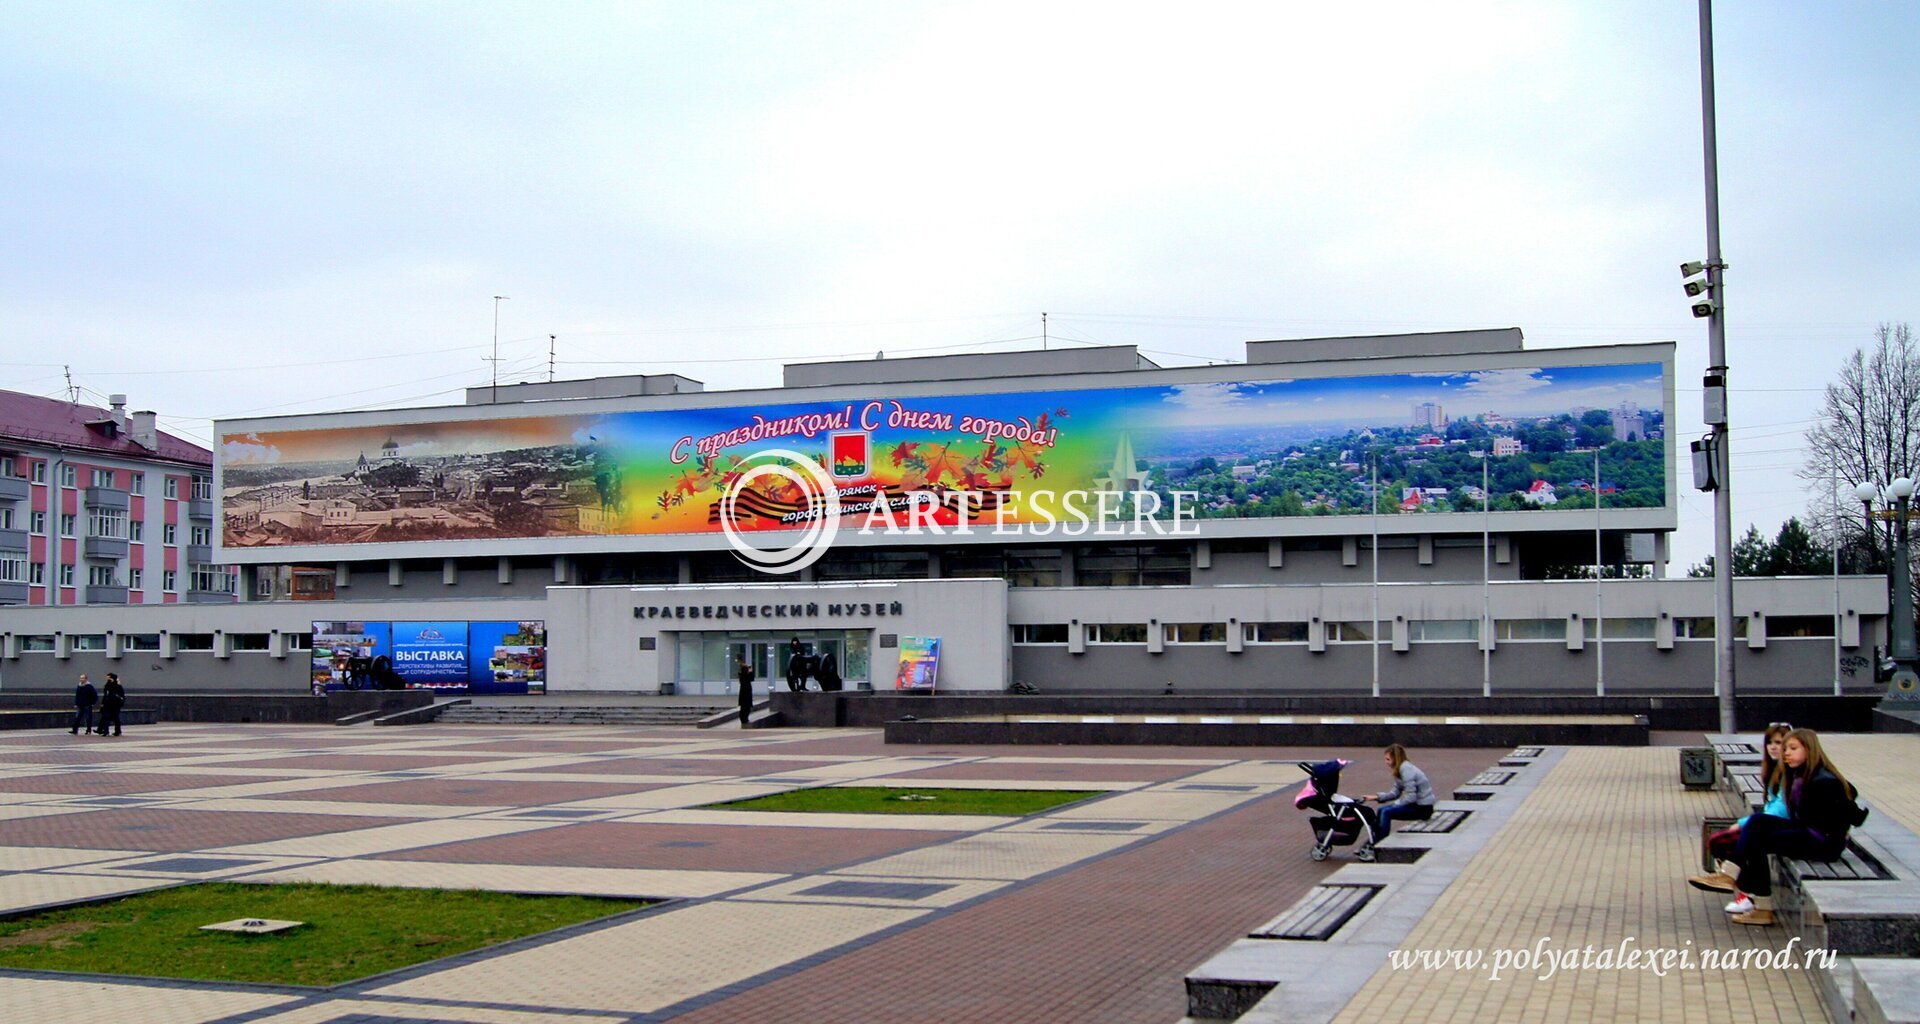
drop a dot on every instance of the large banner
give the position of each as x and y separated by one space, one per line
919 663
479 657
1409 443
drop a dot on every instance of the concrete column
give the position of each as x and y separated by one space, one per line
342 575
396 572
450 571
503 572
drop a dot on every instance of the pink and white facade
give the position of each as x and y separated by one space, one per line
100 507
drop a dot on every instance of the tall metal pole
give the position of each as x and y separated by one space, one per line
1599 615
1833 486
1904 653
1717 364
493 394
1486 584
1375 498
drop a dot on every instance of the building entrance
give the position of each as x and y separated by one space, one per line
706 660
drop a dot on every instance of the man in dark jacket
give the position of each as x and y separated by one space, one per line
111 701
84 696
745 674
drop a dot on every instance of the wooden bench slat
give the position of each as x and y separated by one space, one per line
1320 913
1442 821
1490 778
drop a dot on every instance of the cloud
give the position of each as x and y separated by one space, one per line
248 450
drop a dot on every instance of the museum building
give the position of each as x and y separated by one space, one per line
1440 513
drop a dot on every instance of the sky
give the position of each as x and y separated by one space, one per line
226 210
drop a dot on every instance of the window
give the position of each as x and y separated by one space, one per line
89 641
137 483
250 641
67 523
134 579
1441 630
1116 633
13 567
193 641
202 488
69 475
172 487
1040 633
1195 632
211 579
1349 632
1701 628
200 536
37 522
1530 629
169 534
102 576
872 565
6 518
139 641
37 642
136 530
66 575
102 478
169 580
1020 567
8 469
300 641
37 574
1621 629
1789 626
40 477
1135 565
106 522
1276 632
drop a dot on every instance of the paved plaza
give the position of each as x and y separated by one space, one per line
1094 911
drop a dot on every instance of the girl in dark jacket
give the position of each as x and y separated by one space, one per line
1821 808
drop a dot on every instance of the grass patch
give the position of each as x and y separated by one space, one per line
895 800
352 931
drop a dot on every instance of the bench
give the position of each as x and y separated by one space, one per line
1442 821
1527 752
1723 749
1319 913
1490 777
1853 865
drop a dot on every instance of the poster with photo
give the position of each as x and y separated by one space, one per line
343 653
919 663
507 657
431 655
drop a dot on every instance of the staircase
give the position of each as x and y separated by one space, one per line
580 714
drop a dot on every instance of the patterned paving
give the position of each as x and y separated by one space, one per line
1090 912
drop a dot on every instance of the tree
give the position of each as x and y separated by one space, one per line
1796 553
1867 431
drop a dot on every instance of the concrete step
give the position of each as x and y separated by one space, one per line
676 714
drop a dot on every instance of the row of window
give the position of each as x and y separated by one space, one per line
111 523
40 643
211 579
108 478
1418 630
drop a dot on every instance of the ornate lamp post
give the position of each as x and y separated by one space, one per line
1905 684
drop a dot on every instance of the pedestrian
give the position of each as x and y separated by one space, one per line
111 702
83 697
1821 810
745 673
1411 798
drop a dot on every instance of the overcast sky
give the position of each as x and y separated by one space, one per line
236 209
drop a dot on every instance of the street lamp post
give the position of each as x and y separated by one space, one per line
1905 684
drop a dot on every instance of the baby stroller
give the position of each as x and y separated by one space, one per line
1337 820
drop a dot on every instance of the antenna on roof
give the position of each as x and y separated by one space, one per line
73 393
1043 331
550 340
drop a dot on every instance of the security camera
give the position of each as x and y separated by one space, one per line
1697 288
1692 269
1703 309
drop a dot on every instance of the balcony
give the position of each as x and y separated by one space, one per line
207 597
200 508
13 592
13 488
108 497
197 554
100 593
14 540
106 549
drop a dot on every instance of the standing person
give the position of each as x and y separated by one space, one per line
83 697
111 702
1821 809
796 663
1411 798
745 674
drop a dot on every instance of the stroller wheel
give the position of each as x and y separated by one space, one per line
1365 853
1317 853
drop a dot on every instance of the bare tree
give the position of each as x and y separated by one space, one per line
1868 430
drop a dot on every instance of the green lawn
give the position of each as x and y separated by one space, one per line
895 800
352 931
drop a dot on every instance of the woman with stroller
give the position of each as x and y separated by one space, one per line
1721 843
1410 799
1821 811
